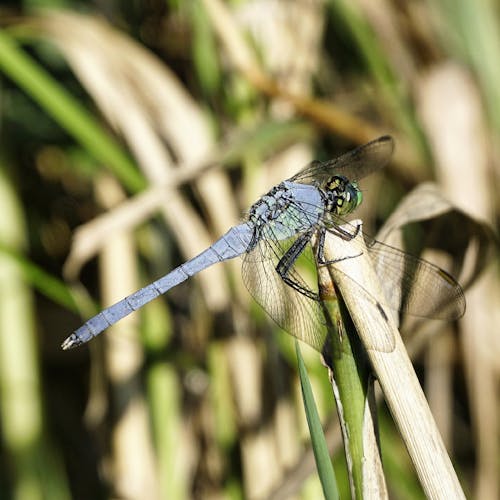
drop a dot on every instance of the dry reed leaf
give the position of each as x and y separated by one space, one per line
89 238
145 102
452 115
426 202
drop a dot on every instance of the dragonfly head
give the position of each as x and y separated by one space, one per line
344 195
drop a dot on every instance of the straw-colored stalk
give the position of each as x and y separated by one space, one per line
392 367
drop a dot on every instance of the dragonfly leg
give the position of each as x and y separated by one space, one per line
343 233
288 260
253 241
321 246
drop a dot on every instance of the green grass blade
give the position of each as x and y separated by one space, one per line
66 111
320 449
41 280
33 470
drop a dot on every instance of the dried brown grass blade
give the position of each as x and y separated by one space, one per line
146 103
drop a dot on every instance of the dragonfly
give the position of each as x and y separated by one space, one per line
282 226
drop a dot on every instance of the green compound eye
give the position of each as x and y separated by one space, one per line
348 200
359 197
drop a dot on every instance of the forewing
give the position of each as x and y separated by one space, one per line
293 311
354 164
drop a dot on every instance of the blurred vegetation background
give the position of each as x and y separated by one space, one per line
133 134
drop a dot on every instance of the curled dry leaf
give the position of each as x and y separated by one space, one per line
466 240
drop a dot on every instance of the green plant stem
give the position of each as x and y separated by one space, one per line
350 378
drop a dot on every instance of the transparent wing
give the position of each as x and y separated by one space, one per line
354 164
415 286
412 285
293 311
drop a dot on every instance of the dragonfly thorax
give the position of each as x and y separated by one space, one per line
342 195
285 210
271 205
